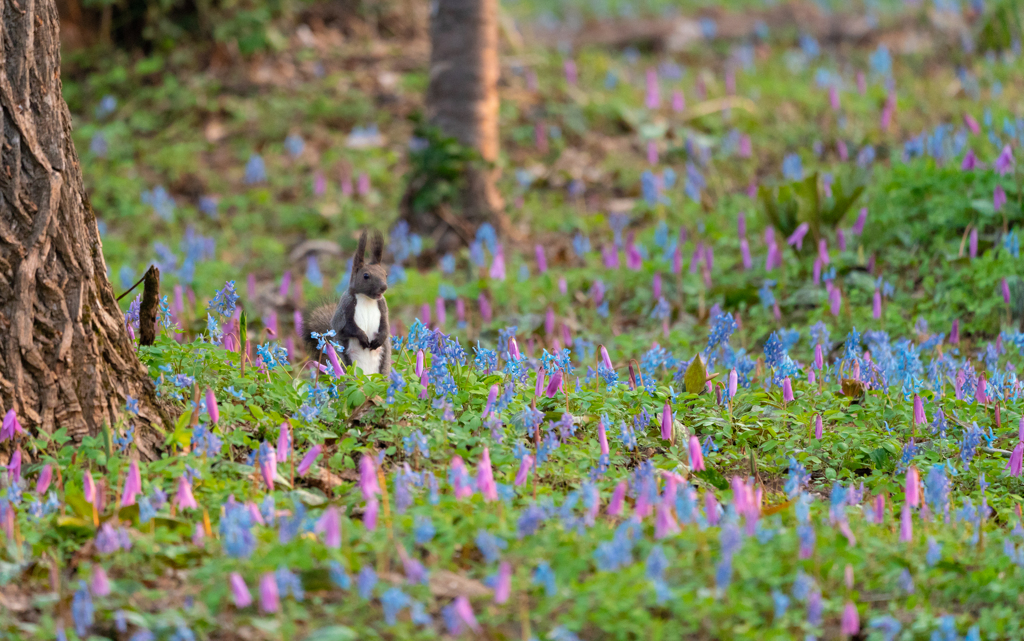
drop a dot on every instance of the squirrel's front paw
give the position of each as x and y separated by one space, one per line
376 343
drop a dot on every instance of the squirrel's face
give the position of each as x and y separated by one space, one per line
371 281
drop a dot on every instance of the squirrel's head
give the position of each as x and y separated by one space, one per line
369 277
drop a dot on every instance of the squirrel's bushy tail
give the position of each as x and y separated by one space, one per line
318 319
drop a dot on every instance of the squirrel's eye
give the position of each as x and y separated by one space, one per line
366 275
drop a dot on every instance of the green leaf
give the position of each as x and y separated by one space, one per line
695 380
712 476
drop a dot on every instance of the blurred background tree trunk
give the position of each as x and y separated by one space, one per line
462 101
65 356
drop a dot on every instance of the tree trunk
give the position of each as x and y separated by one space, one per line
462 100
65 356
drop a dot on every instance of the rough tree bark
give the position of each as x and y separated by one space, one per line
462 100
65 356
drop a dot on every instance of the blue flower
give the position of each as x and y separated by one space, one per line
255 170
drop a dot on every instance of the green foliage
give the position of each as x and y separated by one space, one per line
787 206
438 167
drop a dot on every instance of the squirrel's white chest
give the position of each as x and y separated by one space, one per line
367 315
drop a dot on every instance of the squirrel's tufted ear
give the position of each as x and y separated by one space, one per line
360 258
376 247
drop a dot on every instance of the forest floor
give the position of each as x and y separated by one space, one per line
743 368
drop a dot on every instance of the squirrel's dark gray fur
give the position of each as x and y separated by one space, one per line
368 279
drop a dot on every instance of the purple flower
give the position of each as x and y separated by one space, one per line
524 470
465 613
542 260
972 124
906 524
554 384
240 591
1005 286
45 476
618 497
787 390
858 227
1016 460
184 498
332 356
912 487
696 455
818 428
973 243
850 622
503 586
919 416
132 485
796 239
330 526
998 197
88 487
876 305
309 459
497 271
11 426
1004 163
284 443
485 478
269 600
100 584
211 406
970 161
14 467
368 477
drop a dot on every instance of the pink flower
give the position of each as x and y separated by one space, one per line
336 366
100 584
733 383
485 478
850 623
1016 460
972 243
970 161
833 97
879 509
440 311
711 507
972 124
666 422
1005 286
184 499
876 305
796 239
211 406
835 301
1004 163
503 588
460 478
912 487
818 427
605 358
330 526
269 600
465 613
513 347
919 416
748 261
240 591
485 307
14 467
618 497
819 357
88 487
696 455
132 485
492 395
787 390
308 460
284 442
906 524
497 271
602 437
554 384
370 514
268 468
524 470
368 477
678 101
419 362
11 426
542 260
45 476
981 395
862 217
998 197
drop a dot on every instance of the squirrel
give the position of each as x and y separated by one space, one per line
360 320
